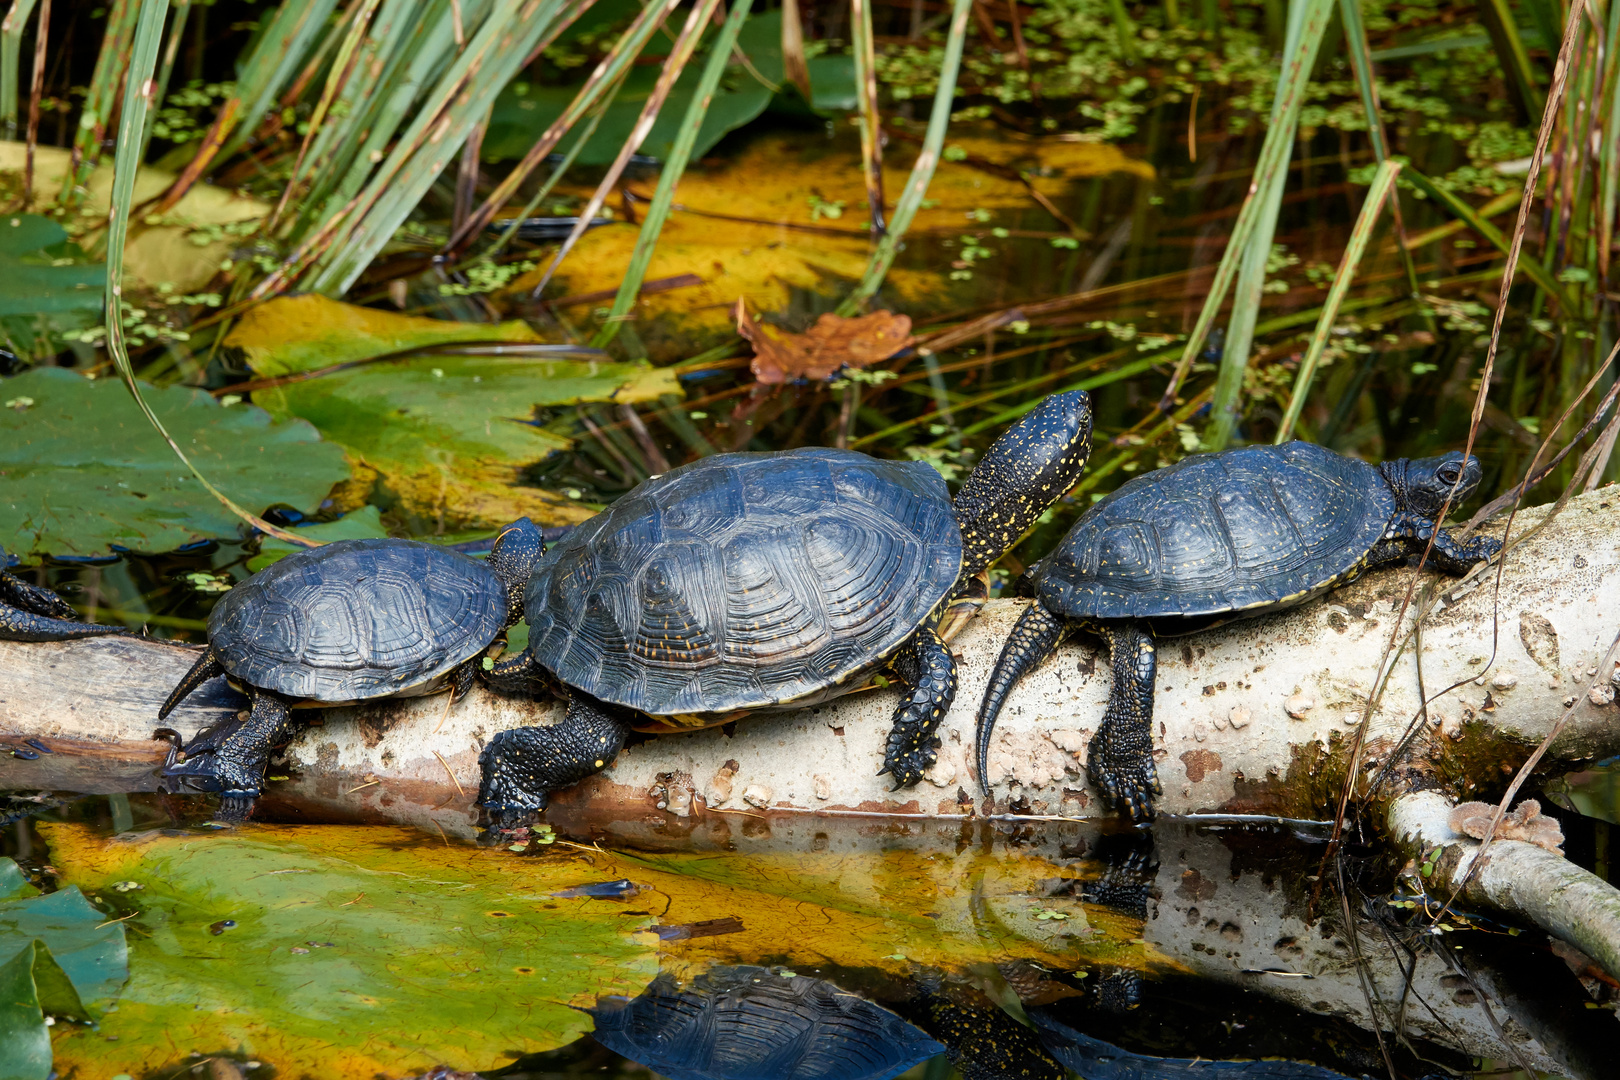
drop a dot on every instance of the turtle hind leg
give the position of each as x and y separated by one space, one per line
523 766
34 599
230 757
1120 758
30 613
927 667
520 676
1032 640
206 667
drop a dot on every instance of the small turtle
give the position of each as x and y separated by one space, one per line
349 621
1212 538
30 613
754 581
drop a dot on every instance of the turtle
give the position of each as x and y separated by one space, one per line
349 621
31 613
1213 538
753 581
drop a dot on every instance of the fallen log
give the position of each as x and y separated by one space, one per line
1253 718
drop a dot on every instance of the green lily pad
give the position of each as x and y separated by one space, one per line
347 951
450 435
523 111
81 470
13 884
89 950
40 271
31 985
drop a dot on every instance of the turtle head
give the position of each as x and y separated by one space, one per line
1024 472
516 550
1430 481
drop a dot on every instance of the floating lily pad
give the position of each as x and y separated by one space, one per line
40 272
58 956
81 470
450 435
347 951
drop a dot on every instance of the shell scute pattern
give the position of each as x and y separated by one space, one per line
745 581
359 620
1214 534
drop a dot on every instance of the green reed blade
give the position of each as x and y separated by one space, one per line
1383 184
1466 213
147 35
606 73
285 43
11 32
1609 162
560 171
922 173
674 167
1511 53
463 94
177 30
1307 21
1271 168
680 54
98 104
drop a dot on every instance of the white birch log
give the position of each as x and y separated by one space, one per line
1253 717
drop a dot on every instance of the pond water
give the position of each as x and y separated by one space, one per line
831 948
798 945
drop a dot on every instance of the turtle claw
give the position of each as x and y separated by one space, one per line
1120 763
907 766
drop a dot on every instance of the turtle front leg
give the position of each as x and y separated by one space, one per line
926 665
1120 757
230 757
30 613
523 766
1456 558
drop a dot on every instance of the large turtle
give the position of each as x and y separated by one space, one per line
349 621
30 613
1212 538
759 580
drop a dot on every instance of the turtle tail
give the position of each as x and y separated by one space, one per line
206 667
1032 640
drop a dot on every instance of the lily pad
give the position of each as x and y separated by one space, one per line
81 470
450 435
347 951
89 950
40 272
523 111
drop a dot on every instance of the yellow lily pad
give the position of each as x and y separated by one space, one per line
449 436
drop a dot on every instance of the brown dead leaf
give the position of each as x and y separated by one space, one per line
828 347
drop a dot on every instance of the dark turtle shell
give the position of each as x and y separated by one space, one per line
741 1023
1216 533
743 581
358 619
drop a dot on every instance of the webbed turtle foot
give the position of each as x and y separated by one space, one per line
522 766
212 763
907 761
1120 762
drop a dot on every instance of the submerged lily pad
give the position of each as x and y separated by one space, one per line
450 434
347 951
81 470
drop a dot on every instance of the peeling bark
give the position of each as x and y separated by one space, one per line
1253 717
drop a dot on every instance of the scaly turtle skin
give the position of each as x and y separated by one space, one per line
30 613
756 581
1212 538
349 621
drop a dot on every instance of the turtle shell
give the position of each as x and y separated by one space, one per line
743 581
358 619
1240 530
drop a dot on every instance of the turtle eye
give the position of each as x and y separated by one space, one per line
1450 473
